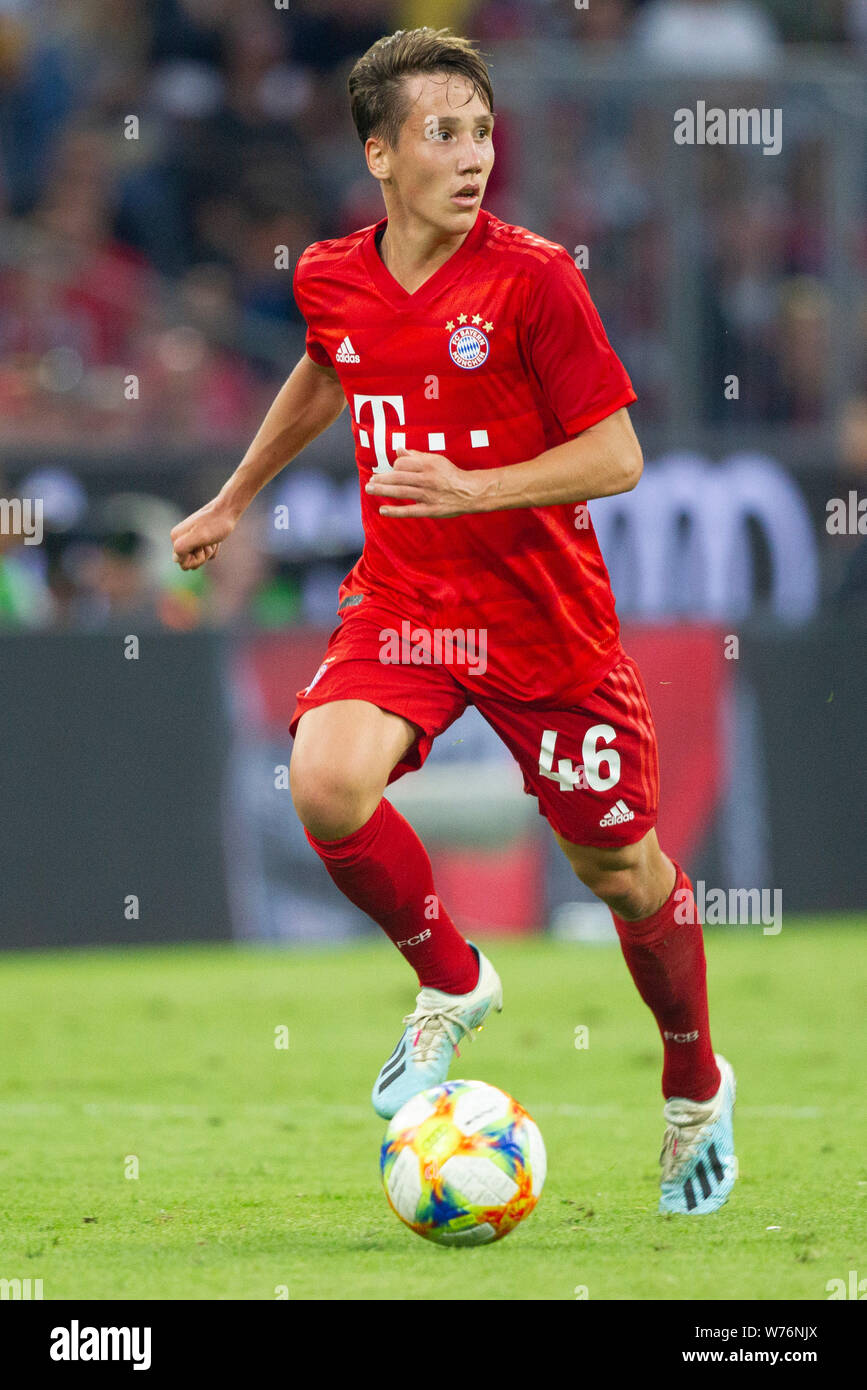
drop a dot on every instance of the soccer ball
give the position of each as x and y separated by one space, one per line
462 1163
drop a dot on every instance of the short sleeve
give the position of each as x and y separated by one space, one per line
314 347
581 377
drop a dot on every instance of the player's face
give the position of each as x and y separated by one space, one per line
444 154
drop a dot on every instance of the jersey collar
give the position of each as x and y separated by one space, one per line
395 293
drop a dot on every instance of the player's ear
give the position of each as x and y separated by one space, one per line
376 152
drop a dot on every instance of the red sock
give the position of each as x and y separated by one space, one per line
384 869
665 955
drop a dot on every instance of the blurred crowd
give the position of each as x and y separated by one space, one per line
93 560
155 154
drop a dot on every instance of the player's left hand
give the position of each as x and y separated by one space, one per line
426 485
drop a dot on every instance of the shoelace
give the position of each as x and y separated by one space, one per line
681 1141
431 1025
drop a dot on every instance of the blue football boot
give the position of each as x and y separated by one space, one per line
430 1038
699 1167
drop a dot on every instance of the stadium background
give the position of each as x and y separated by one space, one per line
163 163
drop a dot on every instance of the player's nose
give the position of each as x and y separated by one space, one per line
469 161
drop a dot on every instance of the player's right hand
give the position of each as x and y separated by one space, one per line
198 538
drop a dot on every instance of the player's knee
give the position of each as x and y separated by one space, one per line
332 798
620 889
631 880
626 889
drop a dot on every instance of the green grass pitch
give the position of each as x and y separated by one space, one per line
258 1165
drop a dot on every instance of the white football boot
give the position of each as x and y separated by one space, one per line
430 1038
699 1167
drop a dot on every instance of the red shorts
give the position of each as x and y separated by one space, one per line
593 768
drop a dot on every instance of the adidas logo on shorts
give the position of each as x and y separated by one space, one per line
346 352
618 814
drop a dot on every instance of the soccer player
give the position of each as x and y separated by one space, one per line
487 407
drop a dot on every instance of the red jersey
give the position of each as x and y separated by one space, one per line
499 356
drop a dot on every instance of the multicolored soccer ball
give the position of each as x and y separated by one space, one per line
462 1163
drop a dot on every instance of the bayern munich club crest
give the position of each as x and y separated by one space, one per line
468 347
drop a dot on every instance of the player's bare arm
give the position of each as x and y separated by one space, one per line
601 461
310 400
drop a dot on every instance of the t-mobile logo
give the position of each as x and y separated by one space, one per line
436 439
377 405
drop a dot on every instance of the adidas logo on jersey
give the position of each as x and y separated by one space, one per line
618 814
346 352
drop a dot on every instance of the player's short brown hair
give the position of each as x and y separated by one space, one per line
376 88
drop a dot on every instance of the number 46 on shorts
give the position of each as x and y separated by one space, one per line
589 772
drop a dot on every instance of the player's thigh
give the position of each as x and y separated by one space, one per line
360 724
593 767
346 750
